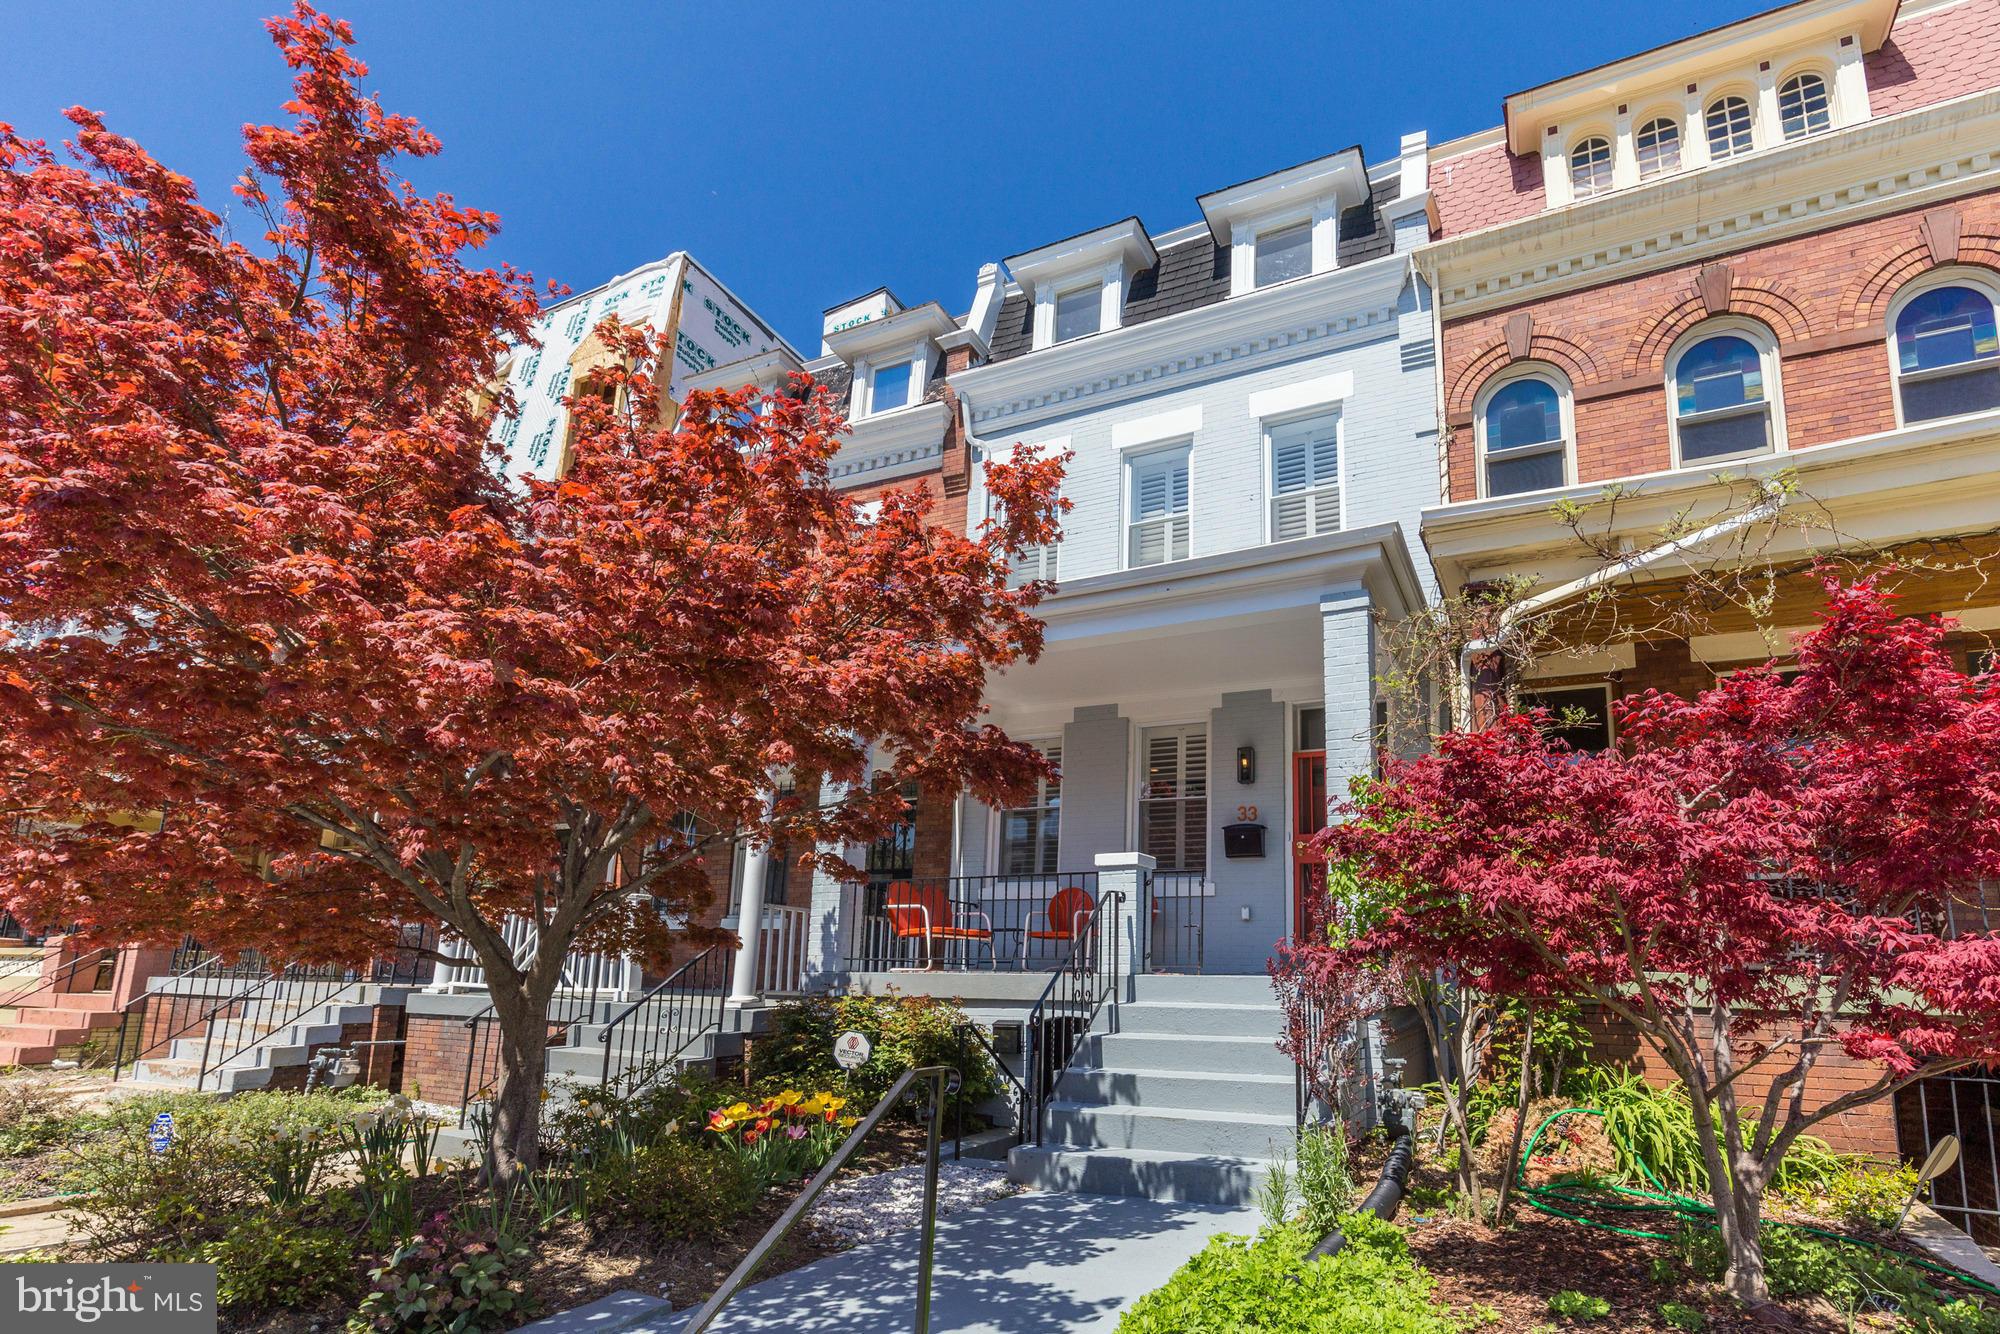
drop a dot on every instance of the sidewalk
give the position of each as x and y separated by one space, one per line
1030 1264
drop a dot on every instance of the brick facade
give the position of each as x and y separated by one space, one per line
1824 297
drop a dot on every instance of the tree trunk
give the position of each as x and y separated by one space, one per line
521 1013
1735 1183
1447 1052
1512 1166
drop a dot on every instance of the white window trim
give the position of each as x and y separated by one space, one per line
1071 289
1323 213
1128 463
1949 275
1566 408
918 357
1766 344
1574 141
1136 780
1109 280
1160 429
1823 70
1709 97
1272 425
1674 116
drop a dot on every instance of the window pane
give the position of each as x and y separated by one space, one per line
1946 326
1738 433
1717 373
1029 834
1803 107
1590 167
892 387
1532 472
1077 313
1312 729
1284 253
1526 412
1659 147
1728 127
1976 390
1582 718
1173 798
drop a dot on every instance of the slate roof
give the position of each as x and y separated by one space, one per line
1195 273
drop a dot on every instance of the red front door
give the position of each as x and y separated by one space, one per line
1308 818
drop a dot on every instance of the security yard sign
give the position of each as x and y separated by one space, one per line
851 1050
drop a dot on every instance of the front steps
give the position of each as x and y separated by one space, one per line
60 1024
267 1052
1188 1100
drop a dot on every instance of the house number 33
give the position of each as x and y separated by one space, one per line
1246 814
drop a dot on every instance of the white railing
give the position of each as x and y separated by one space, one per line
781 951
460 969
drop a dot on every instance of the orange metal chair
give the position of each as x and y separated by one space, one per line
925 912
1069 908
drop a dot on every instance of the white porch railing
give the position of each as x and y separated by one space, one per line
460 970
781 951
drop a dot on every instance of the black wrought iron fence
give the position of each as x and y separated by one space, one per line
571 1011
1061 1020
1023 922
1177 917
642 1040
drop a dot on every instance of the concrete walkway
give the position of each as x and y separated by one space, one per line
1031 1264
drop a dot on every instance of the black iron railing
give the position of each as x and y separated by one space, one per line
571 1010
1062 1017
642 1040
1178 919
967 1036
975 921
250 998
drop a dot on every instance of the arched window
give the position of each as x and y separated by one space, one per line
1523 427
1659 147
1947 353
1803 106
1590 167
1720 390
1728 124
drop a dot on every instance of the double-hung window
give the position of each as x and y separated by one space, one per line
1284 253
1079 311
1173 797
1948 353
1157 514
1029 834
889 388
1721 399
1305 478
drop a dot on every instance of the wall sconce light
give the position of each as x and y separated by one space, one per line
1246 764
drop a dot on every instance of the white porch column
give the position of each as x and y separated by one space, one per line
828 929
1129 874
1347 661
749 924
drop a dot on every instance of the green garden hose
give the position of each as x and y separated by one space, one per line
1550 1199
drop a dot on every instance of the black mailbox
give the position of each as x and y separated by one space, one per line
1243 840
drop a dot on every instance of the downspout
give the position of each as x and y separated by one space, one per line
1624 565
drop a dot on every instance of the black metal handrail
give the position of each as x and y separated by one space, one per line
269 1008
961 1032
644 1038
1177 919
569 1009
58 983
1068 1006
940 1078
187 1004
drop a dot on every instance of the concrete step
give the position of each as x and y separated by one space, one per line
1181 1130
1224 989
1142 1172
25 1053
1202 1019
1272 1094
1176 1051
587 1060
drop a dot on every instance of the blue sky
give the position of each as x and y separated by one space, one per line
809 153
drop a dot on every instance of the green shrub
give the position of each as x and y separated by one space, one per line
1862 1195
1573 1305
906 1032
1655 1127
682 1188
445 1285
277 1257
1797 1264
1681 1316
1326 1185
1266 1284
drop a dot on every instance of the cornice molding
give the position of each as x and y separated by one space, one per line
1326 309
1912 158
896 444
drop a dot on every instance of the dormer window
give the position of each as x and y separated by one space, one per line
889 388
1590 167
1659 147
1284 253
1728 123
1079 312
1804 107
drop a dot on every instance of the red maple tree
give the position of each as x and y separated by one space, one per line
262 578
1784 866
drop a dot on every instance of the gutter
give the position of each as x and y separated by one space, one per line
1509 618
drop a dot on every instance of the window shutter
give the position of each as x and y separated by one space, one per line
1174 813
1305 480
1160 508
